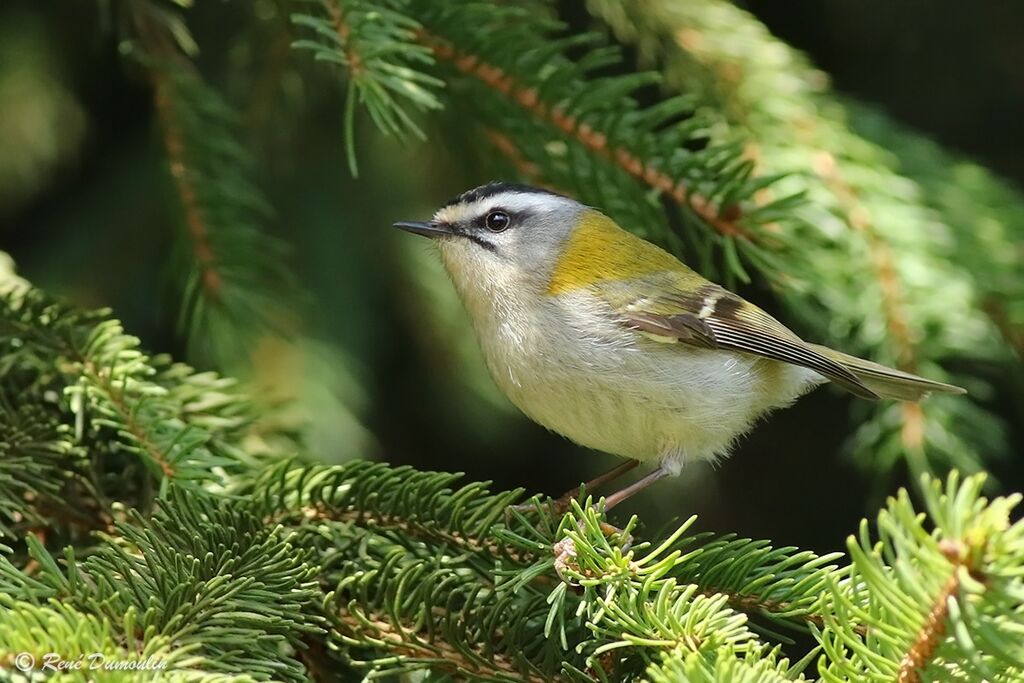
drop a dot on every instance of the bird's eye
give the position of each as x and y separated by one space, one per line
497 221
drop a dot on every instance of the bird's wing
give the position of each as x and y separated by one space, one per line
710 317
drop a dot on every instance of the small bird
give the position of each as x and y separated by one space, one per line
610 341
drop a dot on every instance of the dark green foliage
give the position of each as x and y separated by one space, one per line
235 279
211 581
237 274
374 42
37 457
152 511
405 572
99 421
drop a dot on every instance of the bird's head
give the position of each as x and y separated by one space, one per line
499 238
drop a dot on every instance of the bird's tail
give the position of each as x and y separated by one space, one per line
888 382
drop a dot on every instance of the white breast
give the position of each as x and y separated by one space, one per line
571 368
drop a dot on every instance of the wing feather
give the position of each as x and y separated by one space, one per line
714 318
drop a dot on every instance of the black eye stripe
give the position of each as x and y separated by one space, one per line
489 246
515 217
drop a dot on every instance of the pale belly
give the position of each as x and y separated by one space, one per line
619 392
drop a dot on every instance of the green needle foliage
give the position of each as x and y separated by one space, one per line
78 379
280 571
374 43
950 586
235 279
238 278
379 570
150 512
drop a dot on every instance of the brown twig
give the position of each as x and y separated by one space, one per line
160 45
932 631
724 222
410 528
403 640
934 627
337 16
116 400
194 219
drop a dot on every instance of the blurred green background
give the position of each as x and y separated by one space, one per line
383 364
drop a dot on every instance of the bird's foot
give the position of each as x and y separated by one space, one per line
614 532
565 549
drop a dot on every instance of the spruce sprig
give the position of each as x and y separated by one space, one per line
95 394
940 595
374 43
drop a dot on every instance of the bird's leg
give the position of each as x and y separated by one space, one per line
565 549
560 505
637 486
562 502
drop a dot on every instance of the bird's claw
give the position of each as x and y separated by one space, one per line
612 531
565 549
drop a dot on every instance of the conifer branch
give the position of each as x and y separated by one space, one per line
423 602
127 418
352 57
414 645
297 496
237 277
942 593
781 583
986 212
197 230
930 635
372 42
37 460
524 168
723 220
374 501
178 423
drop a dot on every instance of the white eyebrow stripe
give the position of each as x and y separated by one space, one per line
511 201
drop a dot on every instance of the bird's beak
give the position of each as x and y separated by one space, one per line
425 228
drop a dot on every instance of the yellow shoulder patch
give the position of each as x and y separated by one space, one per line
598 249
